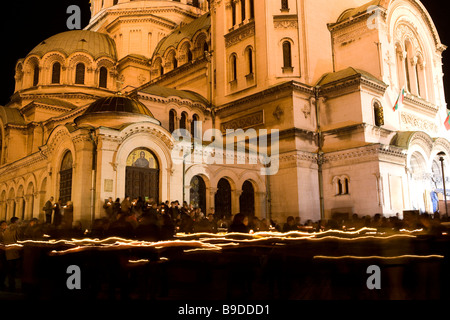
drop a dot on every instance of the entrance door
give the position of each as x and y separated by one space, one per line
142 183
142 175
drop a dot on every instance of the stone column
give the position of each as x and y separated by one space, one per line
82 180
210 200
260 205
235 197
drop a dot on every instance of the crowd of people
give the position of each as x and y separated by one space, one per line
152 221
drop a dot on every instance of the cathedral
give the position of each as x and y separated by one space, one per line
345 98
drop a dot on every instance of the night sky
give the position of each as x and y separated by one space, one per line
25 24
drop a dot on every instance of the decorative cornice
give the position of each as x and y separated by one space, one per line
418 123
356 80
241 33
286 21
284 87
12 168
162 100
375 152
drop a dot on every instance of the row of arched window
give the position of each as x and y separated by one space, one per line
249 64
80 75
411 69
172 58
182 123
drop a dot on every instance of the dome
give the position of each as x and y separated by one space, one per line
118 104
114 112
94 43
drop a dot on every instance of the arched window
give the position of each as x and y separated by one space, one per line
378 114
56 73
194 126
233 13
115 2
65 178
80 71
250 61
341 185
174 62
407 70
103 78
172 116
35 75
183 121
287 55
233 67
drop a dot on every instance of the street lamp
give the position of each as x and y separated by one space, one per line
441 159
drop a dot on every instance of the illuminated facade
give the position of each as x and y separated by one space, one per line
88 103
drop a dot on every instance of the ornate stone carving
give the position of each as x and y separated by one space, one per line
236 36
418 123
285 22
278 113
244 122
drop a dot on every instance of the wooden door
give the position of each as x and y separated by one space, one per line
142 182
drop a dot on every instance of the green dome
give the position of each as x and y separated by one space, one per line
94 43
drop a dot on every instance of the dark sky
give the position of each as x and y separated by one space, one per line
26 23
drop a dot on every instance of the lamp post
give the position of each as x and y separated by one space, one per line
441 159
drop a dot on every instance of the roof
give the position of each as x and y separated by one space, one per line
187 31
344 74
11 116
165 92
94 43
118 104
356 11
55 102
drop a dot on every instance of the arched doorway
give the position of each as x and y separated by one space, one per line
222 199
198 193
65 178
142 175
419 183
247 199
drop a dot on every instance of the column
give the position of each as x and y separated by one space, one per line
260 205
235 197
414 80
210 199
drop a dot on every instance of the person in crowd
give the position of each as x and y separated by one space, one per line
290 225
13 255
120 228
213 223
57 215
109 208
116 209
48 210
68 215
33 230
239 224
125 206
167 230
